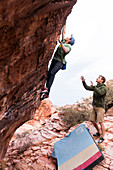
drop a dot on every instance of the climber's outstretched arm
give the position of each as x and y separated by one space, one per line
66 50
64 31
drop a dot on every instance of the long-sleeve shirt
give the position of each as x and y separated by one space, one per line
60 53
99 93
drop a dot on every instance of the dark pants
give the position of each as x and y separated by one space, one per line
54 68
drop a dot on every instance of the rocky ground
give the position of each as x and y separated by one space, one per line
32 141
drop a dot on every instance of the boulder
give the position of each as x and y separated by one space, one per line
29 31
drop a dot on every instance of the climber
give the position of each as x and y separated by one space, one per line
58 61
97 115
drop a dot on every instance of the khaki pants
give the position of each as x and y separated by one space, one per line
97 114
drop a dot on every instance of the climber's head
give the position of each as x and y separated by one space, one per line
101 79
70 40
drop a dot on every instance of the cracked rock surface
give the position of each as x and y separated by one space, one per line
32 141
29 30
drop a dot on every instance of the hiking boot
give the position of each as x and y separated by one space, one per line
96 134
101 140
43 96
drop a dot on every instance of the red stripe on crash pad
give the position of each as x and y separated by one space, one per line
89 161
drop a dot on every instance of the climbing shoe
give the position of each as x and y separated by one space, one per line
101 140
43 96
44 90
96 134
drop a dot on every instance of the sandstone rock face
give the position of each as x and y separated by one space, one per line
29 30
45 110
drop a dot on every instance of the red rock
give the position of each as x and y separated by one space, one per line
21 165
109 151
42 142
35 148
28 153
28 34
45 110
48 134
109 136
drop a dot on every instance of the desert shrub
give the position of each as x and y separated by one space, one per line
72 116
109 95
22 135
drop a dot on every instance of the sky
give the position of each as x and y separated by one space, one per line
91 24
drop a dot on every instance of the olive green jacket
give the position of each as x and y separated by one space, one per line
99 93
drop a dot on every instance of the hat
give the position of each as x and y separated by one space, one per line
72 40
